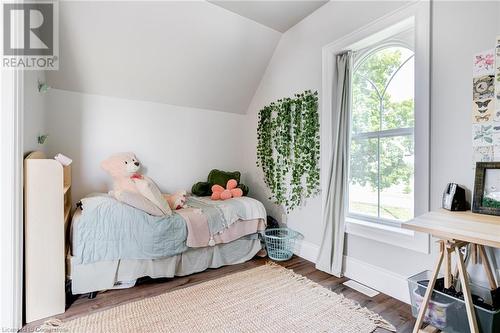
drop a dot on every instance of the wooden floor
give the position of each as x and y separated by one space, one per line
394 311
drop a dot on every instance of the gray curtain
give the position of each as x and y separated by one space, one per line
330 256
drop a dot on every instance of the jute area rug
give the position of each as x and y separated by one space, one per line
268 298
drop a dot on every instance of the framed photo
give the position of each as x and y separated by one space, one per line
487 188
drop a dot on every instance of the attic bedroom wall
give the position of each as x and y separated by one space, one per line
295 67
120 85
460 29
35 112
187 53
178 146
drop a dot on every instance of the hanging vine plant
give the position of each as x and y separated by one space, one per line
288 148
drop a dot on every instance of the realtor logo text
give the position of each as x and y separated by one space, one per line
30 35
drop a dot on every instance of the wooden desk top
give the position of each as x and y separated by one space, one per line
465 226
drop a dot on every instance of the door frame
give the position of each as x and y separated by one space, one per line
11 198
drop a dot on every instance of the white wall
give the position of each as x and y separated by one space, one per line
296 66
189 53
34 111
472 28
460 29
477 25
451 94
177 145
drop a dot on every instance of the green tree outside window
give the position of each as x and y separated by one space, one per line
382 141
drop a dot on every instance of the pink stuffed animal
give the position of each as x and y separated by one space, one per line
176 200
124 169
221 193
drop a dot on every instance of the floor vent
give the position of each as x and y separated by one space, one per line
361 288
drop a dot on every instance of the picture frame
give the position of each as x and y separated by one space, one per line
487 189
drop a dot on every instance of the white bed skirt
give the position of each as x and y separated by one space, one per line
106 274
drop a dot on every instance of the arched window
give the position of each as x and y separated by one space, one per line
382 134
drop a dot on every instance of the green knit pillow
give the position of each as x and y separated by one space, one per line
218 177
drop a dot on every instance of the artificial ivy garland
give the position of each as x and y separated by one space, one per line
288 148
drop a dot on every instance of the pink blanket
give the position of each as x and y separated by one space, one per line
199 234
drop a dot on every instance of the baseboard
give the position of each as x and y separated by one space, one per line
375 277
307 250
378 278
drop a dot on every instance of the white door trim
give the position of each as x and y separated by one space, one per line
11 199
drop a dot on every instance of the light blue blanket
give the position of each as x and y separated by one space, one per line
221 214
111 230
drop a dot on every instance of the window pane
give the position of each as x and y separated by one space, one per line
365 106
396 178
363 195
382 99
379 66
383 87
398 108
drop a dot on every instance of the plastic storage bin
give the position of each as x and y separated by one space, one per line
448 313
280 243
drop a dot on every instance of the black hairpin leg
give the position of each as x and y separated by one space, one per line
92 295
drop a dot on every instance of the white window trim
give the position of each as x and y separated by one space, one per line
419 13
389 234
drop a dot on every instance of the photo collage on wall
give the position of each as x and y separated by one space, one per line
486 105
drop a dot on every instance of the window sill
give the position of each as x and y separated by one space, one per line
392 235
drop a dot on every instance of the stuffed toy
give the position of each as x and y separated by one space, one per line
176 200
124 169
231 191
217 177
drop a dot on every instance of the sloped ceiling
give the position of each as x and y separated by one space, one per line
192 54
279 15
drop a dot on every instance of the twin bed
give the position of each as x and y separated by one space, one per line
113 244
